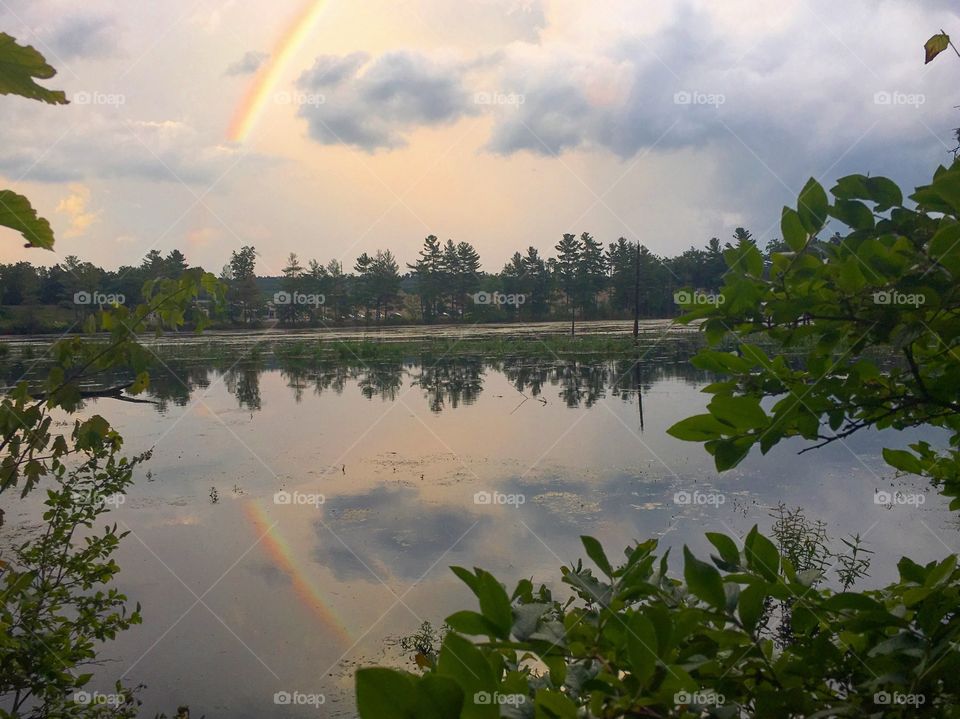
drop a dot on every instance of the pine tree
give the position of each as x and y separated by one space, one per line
569 256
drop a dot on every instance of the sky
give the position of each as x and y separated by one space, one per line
333 127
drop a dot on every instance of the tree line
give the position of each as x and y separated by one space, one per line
446 283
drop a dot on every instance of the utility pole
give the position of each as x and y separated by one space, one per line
636 296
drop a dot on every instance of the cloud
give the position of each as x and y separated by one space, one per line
76 207
721 83
374 109
84 37
202 237
98 144
400 535
248 64
331 70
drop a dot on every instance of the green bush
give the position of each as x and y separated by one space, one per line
872 322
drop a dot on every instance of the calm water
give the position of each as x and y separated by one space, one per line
244 596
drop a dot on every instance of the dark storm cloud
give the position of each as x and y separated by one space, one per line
372 105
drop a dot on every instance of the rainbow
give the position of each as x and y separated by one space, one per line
267 77
283 556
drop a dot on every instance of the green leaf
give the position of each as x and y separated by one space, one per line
812 206
464 663
853 213
750 607
385 693
762 555
642 647
553 705
18 214
902 460
19 65
703 580
699 428
595 552
468 622
934 46
945 241
494 603
851 187
140 383
792 229
726 546
438 698
740 412
884 192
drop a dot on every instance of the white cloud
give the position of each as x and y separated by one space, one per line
76 207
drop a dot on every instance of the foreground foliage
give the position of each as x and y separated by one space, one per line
632 641
871 319
57 605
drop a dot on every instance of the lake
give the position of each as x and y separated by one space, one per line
294 522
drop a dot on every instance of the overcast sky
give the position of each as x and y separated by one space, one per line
501 122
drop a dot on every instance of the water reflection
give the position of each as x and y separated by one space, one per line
443 384
400 450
